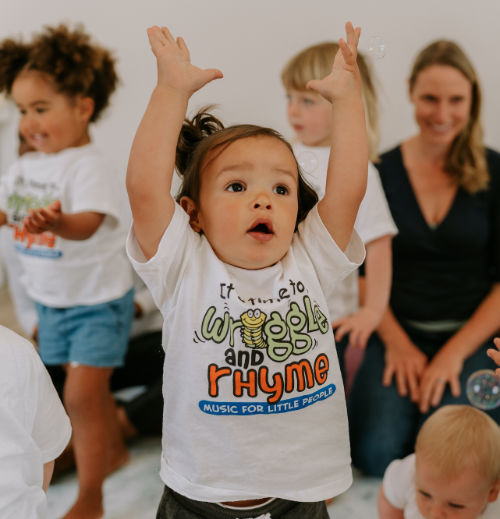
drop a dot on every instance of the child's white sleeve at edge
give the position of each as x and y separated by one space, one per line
47 421
398 481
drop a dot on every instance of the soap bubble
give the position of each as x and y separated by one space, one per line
376 46
483 389
307 161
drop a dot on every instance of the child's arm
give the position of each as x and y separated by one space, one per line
495 355
152 157
385 509
76 226
378 266
48 470
348 163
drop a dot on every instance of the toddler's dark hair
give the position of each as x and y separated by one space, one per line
204 133
69 57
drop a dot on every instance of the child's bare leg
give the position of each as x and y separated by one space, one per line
97 441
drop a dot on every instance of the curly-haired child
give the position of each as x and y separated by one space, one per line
68 220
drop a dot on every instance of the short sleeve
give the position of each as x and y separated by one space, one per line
399 480
51 426
374 218
162 272
95 186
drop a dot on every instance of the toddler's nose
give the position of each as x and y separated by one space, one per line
262 201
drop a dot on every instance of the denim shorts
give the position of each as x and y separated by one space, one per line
92 335
175 506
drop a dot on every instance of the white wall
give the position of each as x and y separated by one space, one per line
250 40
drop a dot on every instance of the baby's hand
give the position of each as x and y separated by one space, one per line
359 326
175 70
44 218
495 355
344 77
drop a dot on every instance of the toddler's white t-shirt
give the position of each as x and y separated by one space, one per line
34 428
58 272
254 401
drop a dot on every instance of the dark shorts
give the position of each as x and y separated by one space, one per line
175 506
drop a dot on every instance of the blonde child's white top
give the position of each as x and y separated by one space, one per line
254 402
60 272
399 489
34 428
373 221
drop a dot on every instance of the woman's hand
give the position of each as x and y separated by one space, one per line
407 363
359 326
443 369
175 70
344 76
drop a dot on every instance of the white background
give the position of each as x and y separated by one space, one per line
250 41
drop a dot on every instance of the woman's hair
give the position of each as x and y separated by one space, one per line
459 437
69 58
203 134
466 158
315 62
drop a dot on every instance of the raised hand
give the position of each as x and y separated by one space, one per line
344 76
495 355
175 70
44 218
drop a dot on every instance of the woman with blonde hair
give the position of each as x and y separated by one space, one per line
443 189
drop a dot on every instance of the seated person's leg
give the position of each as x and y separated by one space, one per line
382 423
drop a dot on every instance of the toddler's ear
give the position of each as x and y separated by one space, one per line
493 495
190 207
86 105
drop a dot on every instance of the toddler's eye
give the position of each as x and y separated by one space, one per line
236 187
40 110
281 190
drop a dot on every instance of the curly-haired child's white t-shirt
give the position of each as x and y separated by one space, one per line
254 401
60 272
373 221
399 489
34 428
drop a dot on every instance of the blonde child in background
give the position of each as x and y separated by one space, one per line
68 221
454 472
34 429
243 271
310 117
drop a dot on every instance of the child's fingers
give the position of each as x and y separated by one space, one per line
183 47
352 35
167 35
494 354
159 37
210 74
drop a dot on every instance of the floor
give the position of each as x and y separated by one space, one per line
134 491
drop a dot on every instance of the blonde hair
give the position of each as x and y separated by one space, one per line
459 437
466 158
315 62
